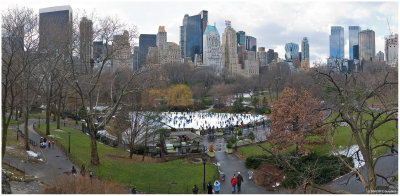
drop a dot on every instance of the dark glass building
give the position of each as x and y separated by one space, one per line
251 43
55 27
135 58
191 34
145 41
353 39
336 42
241 38
270 56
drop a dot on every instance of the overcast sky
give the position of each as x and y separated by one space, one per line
273 23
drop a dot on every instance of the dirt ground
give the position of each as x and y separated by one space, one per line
268 176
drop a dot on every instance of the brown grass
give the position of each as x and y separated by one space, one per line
135 158
82 185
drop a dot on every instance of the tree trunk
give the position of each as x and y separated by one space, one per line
26 138
131 152
59 110
54 111
93 144
48 109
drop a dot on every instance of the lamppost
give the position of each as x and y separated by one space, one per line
39 121
204 158
276 85
236 140
69 142
76 109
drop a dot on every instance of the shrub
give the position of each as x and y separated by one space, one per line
252 136
231 140
324 168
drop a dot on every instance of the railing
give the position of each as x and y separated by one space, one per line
32 142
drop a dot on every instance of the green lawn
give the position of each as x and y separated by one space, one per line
341 137
176 176
14 122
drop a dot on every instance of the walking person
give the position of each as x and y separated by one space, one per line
209 188
239 181
83 170
91 174
217 186
233 183
53 143
73 171
195 189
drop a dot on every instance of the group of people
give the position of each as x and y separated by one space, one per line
83 171
210 188
44 143
200 120
236 182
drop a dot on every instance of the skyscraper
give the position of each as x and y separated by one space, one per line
261 56
353 39
336 42
145 41
191 34
55 27
391 50
212 54
86 44
122 56
251 43
229 51
291 51
241 38
136 53
366 45
380 56
270 56
305 53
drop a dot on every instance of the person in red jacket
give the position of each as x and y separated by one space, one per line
233 182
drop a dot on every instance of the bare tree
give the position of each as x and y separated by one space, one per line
20 30
364 101
85 83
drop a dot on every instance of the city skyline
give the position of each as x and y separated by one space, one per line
264 22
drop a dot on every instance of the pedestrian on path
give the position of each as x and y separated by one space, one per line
195 190
217 186
73 171
233 183
49 144
209 188
91 175
83 170
52 144
239 181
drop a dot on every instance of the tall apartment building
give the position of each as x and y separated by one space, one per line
336 42
229 51
165 52
122 53
212 53
391 50
366 45
86 45
353 40
261 57
55 28
270 56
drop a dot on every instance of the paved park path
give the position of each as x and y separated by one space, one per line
230 164
55 161
386 166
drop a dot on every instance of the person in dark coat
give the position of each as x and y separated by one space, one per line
209 188
195 190
239 181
